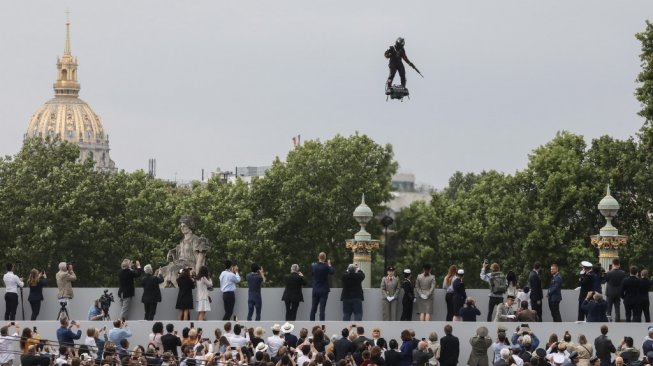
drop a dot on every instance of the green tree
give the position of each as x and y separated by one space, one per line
306 203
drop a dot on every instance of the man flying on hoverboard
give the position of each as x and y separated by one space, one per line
396 55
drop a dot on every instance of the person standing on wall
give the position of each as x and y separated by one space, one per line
255 280
12 283
536 293
128 273
321 271
498 286
229 278
292 294
36 281
613 279
554 294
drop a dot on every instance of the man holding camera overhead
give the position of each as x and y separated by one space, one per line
498 286
12 283
130 271
65 278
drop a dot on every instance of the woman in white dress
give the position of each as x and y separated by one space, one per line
203 284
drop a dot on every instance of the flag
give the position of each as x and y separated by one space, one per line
296 140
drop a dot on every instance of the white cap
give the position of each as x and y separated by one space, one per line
461 272
585 264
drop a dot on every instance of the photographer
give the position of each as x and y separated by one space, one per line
36 281
498 285
65 335
254 300
130 271
229 278
8 344
12 283
352 293
595 307
95 311
65 278
151 291
470 311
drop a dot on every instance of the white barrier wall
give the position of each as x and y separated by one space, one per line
273 307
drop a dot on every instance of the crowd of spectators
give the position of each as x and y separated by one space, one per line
237 344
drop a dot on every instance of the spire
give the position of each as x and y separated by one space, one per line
66 50
66 84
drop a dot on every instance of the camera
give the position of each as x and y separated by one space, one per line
105 301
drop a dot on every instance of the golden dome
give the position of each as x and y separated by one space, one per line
70 118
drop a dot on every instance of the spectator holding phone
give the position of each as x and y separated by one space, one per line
65 335
8 343
36 281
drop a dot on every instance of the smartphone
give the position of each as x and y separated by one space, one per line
199 330
192 325
233 348
12 323
34 330
323 327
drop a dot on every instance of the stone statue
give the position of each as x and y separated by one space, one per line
189 253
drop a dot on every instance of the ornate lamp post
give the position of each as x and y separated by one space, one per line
362 245
608 241
386 221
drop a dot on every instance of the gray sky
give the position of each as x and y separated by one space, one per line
204 84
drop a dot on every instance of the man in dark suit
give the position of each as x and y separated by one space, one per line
449 347
536 294
130 271
361 338
292 294
343 346
321 271
613 280
352 293
630 295
644 288
554 294
604 347
422 354
170 341
595 308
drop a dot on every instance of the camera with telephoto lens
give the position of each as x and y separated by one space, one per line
105 301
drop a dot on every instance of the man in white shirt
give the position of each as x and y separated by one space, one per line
12 283
275 341
303 354
237 340
8 344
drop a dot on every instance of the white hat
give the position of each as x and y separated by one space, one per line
461 272
585 264
261 347
407 271
86 357
276 328
559 358
287 327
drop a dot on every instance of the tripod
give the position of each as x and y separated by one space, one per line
105 314
63 311
22 305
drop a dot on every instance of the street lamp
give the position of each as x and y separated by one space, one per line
386 221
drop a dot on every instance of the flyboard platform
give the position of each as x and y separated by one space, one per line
397 92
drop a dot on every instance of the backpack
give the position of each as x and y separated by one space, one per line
498 283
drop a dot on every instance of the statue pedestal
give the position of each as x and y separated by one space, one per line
363 256
608 247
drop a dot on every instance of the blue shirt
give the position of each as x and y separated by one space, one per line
116 334
67 337
93 312
228 281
